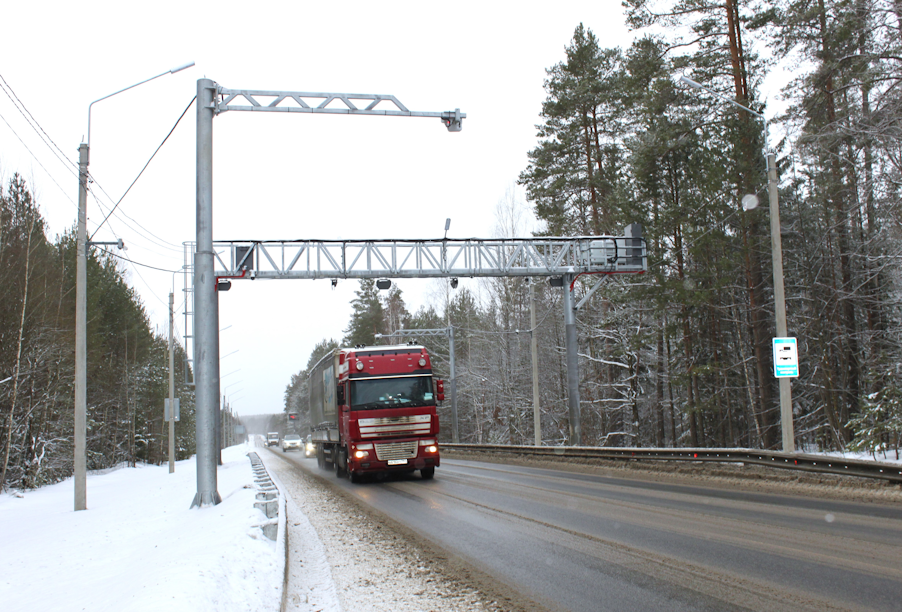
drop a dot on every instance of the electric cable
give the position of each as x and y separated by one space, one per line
70 165
51 144
161 244
146 284
148 163
136 263
37 160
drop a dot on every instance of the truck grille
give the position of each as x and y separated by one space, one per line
417 424
396 450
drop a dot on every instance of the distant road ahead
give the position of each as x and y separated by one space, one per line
574 541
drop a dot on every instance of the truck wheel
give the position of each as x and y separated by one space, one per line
355 477
427 473
341 472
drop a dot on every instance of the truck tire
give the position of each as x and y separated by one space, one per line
342 457
427 473
355 477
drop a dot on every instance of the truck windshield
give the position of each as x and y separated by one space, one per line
407 391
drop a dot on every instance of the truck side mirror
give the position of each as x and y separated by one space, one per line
440 390
341 395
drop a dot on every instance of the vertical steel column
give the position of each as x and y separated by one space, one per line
218 430
455 427
171 386
779 300
206 332
572 362
534 349
81 328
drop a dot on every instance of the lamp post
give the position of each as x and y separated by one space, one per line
777 257
81 272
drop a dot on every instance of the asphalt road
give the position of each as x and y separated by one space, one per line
575 541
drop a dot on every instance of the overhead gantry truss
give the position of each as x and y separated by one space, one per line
440 258
327 103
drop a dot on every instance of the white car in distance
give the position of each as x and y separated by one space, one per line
291 442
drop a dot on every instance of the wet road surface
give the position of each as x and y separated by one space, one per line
575 541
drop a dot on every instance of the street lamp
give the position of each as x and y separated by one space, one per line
81 272
777 257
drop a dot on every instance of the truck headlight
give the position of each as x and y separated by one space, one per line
361 454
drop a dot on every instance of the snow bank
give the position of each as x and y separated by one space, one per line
139 546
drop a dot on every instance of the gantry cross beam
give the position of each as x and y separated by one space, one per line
439 258
331 104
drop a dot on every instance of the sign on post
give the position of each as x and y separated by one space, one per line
786 358
166 409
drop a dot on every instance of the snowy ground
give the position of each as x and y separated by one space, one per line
139 546
342 557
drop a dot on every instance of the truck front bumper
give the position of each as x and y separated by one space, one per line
391 455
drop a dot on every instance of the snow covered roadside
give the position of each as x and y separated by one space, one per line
343 557
139 546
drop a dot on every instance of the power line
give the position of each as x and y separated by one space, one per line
37 160
70 165
147 164
35 125
47 140
137 263
159 242
32 123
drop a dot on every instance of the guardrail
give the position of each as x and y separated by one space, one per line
790 461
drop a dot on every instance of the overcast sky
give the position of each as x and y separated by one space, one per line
277 175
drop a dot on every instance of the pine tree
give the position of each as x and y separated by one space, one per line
572 172
367 316
394 310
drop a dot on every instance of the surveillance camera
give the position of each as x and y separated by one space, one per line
453 121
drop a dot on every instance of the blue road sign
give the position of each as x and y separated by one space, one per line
786 358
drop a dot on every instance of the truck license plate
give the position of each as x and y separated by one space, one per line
397 461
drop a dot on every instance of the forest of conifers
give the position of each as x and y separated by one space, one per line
128 363
682 356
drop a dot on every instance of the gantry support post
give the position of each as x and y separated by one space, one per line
455 427
572 348
206 315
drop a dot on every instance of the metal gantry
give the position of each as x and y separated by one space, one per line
565 258
437 258
331 104
213 100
